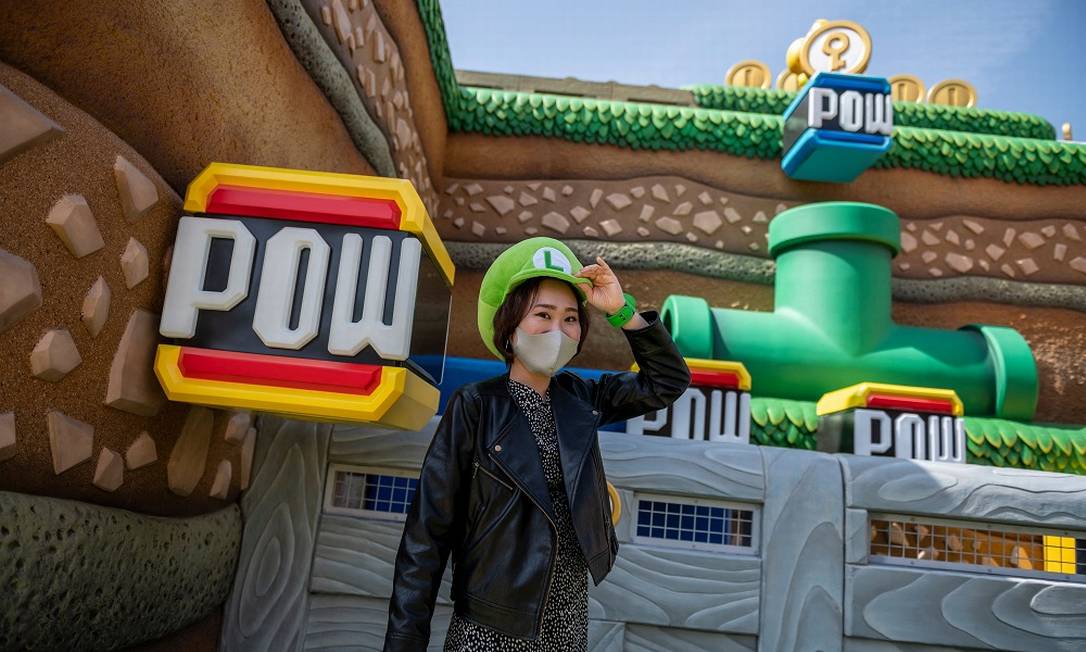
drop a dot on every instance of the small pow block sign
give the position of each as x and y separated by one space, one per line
315 295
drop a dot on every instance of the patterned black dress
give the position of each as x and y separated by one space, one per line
565 615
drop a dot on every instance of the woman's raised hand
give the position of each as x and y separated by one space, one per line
605 292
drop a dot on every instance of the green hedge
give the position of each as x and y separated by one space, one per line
998 442
906 114
440 57
991 442
754 135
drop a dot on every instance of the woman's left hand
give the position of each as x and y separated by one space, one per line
605 292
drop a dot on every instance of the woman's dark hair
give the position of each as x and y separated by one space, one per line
516 306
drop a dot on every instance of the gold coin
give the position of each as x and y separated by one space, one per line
791 56
836 46
749 73
954 92
906 88
790 81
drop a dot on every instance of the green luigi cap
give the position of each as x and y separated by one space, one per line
524 260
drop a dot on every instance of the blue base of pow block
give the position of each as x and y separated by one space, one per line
834 157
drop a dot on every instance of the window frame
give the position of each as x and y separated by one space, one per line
330 491
755 524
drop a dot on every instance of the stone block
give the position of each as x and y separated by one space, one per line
248 447
21 125
220 486
95 309
54 355
502 204
109 474
141 452
7 436
132 385
555 222
71 219
707 221
138 194
188 458
237 426
20 289
134 263
70 440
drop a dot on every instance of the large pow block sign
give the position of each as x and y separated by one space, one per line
316 295
716 406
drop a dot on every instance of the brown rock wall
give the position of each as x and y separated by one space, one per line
185 83
673 209
80 160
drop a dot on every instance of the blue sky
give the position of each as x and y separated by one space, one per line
1021 55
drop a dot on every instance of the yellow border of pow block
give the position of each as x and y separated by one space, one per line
401 400
413 216
855 396
704 364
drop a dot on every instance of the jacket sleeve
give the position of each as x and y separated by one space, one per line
430 529
661 378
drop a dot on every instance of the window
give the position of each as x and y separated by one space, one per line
695 523
380 493
977 546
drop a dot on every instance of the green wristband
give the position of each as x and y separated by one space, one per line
623 314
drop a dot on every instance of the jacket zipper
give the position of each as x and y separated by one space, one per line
554 552
478 468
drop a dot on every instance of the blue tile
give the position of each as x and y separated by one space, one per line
672 534
673 520
644 518
718 512
686 535
658 520
658 533
687 523
701 537
703 510
643 531
701 523
716 538
399 494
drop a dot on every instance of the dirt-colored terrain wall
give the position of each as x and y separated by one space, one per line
81 161
184 83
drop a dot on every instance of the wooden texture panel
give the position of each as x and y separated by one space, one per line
662 464
606 636
965 491
867 645
965 610
357 556
343 622
374 446
266 609
648 638
803 548
680 588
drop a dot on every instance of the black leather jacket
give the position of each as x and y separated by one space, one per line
482 496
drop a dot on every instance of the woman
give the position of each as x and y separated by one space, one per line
512 486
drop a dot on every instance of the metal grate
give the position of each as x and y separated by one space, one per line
374 492
972 546
695 522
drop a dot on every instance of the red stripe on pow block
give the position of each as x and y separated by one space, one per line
705 378
304 206
280 371
910 403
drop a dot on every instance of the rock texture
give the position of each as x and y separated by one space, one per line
188 459
134 263
109 474
20 289
95 308
132 384
21 125
220 486
127 589
138 195
141 452
71 219
238 426
54 356
70 440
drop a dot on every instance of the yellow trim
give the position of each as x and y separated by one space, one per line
855 396
385 405
738 368
413 216
616 503
1060 555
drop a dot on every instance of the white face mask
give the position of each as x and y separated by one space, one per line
544 353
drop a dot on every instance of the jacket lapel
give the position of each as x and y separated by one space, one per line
576 423
519 456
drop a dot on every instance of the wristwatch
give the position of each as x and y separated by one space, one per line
623 314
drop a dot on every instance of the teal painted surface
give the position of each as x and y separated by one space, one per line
831 326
